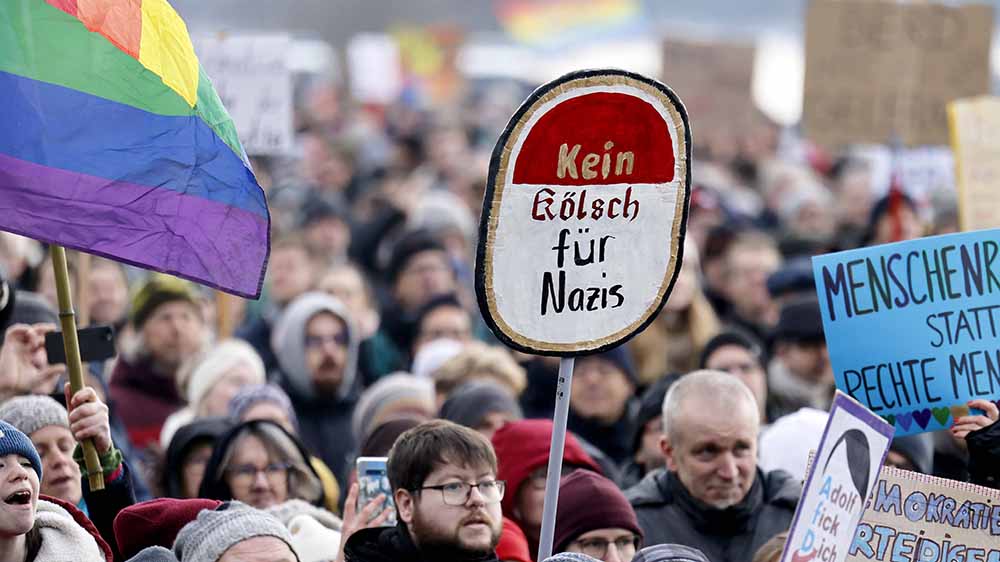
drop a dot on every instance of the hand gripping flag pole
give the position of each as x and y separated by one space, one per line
67 318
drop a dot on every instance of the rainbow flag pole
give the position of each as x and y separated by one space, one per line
71 344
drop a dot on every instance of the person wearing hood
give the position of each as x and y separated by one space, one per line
483 405
38 528
269 402
55 435
522 449
316 346
170 329
712 495
602 407
188 454
261 464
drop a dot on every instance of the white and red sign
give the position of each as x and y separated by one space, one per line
585 211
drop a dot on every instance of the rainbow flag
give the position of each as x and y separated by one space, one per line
114 142
555 24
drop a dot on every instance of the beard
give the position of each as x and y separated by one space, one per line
448 544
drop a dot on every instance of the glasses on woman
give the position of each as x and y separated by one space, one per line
598 547
244 475
457 493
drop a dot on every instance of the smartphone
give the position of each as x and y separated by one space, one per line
97 343
372 481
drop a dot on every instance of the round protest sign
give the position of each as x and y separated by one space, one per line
584 216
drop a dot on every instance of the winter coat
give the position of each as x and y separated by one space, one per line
143 399
668 514
103 505
393 544
984 456
66 534
324 422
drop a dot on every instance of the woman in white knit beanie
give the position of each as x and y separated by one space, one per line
211 380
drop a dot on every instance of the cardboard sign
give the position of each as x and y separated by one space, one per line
584 215
880 69
975 139
715 81
253 81
921 518
913 328
840 479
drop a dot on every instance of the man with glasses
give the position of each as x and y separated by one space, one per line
594 518
317 348
447 495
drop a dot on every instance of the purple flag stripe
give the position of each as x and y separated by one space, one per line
160 229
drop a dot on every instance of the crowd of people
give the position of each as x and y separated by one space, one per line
689 442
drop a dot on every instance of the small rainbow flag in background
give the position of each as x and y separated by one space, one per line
114 142
552 24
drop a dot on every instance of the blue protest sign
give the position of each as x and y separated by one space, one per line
913 328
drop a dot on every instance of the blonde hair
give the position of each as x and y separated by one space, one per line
479 361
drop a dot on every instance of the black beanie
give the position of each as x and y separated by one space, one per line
409 246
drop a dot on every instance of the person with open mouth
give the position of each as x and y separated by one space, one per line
36 528
55 433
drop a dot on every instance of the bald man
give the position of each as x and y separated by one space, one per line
712 495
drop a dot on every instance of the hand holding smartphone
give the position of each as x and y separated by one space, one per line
372 481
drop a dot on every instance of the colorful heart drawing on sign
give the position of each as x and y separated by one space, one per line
584 216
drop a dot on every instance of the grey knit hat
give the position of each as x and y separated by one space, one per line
209 536
570 557
154 554
31 413
670 553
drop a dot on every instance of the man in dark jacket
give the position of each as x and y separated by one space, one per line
447 499
712 496
317 348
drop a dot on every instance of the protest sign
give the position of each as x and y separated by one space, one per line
584 215
714 79
911 516
253 81
841 476
913 328
974 124
877 70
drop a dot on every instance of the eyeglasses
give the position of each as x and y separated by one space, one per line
317 342
457 493
598 548
245 474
